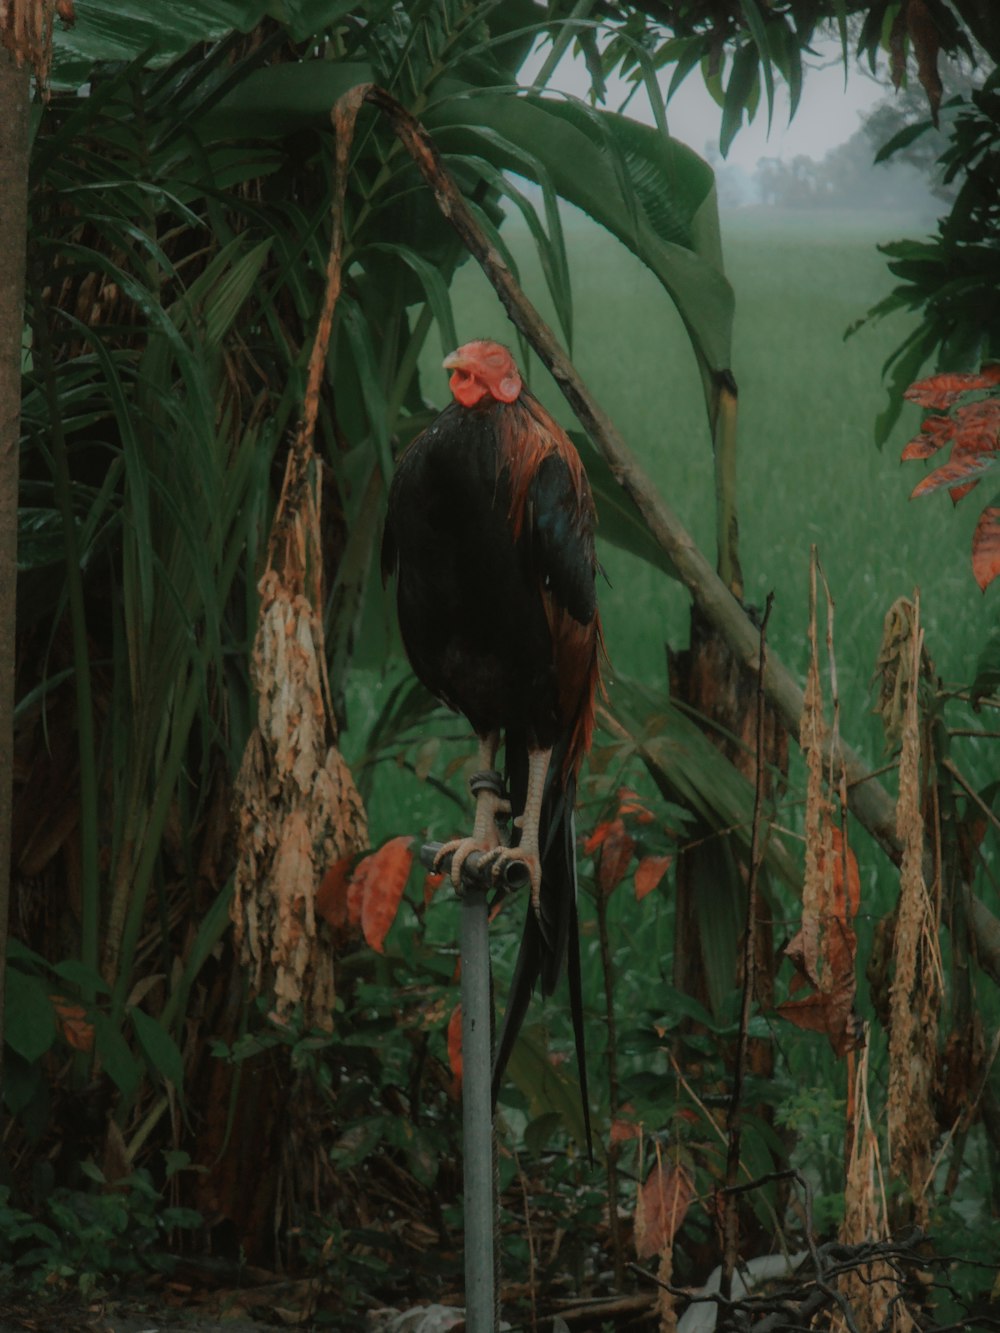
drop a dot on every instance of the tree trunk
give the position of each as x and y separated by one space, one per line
14 91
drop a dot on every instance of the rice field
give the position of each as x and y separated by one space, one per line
809 472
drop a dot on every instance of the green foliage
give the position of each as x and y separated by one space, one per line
180 227
93 1240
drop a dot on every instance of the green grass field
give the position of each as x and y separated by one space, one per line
809 471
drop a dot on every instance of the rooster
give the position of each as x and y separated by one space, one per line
490 532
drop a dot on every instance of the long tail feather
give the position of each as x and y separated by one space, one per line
554 938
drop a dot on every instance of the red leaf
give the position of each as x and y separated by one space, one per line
853 898
380 879
596 838
942 390
616 855
986 547
432 882
455 1050
648 874
630 804
622 1130
331 896
935 432
74 1027
957 471
661 1207
823 953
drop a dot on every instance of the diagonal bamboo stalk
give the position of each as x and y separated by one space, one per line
868 799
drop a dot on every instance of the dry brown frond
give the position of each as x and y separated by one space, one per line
915 995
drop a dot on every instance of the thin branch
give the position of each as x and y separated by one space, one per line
731 1218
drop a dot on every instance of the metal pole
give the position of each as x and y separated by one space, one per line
477 1114
481 1305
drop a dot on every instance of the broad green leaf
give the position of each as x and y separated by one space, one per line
670 220
79 974
758 31
434 286
619 521
549 1088
120 30
158 1046
689 769
305 17
739 92
29 1021
282 99
987 670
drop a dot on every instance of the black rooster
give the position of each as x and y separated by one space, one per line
490 531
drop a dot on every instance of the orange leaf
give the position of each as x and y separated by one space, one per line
986 547
616 854
648 874
853 898
957 471
661 1207
630 804
596 838
455 1050
942 390
331 896
623 1130
831 1013
432 882
935 432
74 1027
381 878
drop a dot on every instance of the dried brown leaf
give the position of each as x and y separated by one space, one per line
986 547
661 1206
915 994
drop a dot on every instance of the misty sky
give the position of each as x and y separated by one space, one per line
827 114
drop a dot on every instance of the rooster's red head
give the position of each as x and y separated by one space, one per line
480 368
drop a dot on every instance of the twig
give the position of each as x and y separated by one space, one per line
731 1218
614 1148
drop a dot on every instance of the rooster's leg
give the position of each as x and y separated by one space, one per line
527 850
490 807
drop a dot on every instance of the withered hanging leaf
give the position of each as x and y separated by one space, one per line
382 877
986 547
74 1026
915 994
616 846
926 43
892 669
829 965
661 1206
331 896
648 874
298 808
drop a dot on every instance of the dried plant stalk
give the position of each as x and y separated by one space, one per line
26 32
915 995
817 887
872 1291
299 809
